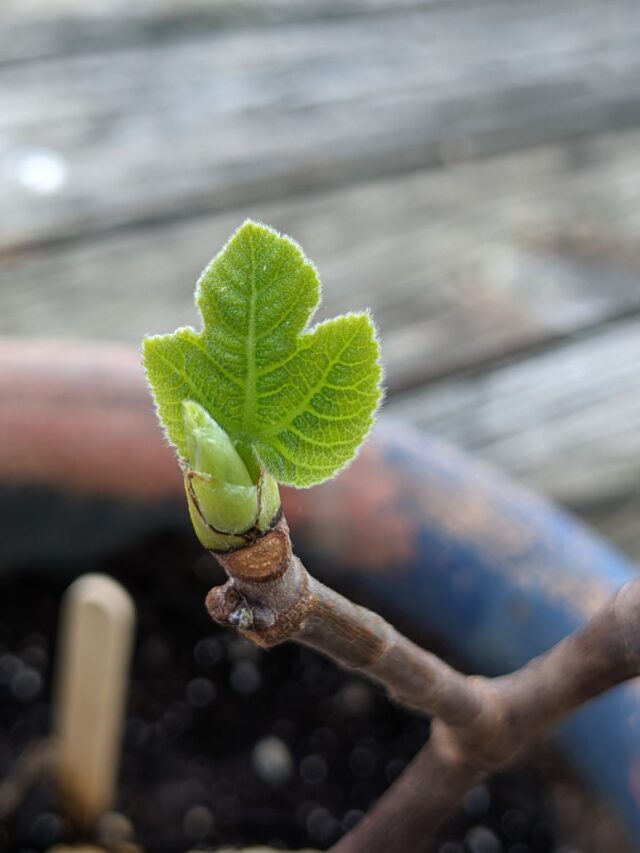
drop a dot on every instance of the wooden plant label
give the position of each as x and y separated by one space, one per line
96 630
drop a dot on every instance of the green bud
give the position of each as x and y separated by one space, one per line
209 448
228 497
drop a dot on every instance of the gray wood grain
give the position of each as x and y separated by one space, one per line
236 116
566 423
42 29
507 288
460 266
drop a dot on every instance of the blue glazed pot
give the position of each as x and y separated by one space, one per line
493 572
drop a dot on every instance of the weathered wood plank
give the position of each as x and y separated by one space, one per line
44 28
460 266
237 116
566 423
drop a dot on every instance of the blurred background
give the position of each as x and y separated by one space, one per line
468 170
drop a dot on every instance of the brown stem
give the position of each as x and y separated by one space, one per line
602 654
271 598
480 723
429 789
359 639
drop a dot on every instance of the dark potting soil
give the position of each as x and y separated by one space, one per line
226 744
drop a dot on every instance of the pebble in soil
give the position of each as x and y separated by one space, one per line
224 743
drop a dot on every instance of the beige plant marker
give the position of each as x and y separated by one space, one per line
96 628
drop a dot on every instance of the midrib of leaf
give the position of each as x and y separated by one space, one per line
248 418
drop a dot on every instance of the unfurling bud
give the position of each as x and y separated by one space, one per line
231 498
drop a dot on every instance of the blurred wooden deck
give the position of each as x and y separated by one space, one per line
470 171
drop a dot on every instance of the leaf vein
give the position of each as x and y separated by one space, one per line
302 406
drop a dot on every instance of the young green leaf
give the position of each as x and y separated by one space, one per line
301 400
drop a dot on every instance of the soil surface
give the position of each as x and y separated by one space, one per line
226 744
